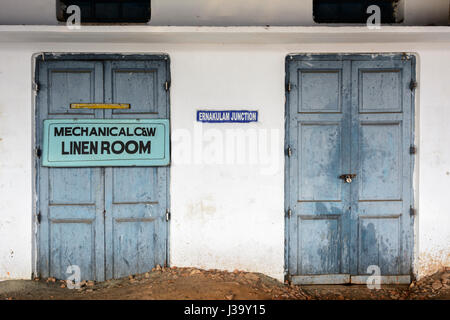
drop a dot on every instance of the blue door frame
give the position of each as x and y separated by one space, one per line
109 221
349 114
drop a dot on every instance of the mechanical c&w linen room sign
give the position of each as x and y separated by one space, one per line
92 142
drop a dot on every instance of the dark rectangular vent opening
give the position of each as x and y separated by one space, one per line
107 11
354 11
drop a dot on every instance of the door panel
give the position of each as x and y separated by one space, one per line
64 189
136 197
350 115
137 87
312 82
382 193
77 205
319 167
135 223
76 85
70 201
380 90
135 242
380 146
144 189
72 243
139 83
379 244
319 249
320 145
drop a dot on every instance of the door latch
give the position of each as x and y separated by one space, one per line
348 178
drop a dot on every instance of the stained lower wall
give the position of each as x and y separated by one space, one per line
226 214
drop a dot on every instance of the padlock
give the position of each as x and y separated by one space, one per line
347 178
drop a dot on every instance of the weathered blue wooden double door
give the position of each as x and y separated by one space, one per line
349 121
108 221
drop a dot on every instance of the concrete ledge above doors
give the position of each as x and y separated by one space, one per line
253 35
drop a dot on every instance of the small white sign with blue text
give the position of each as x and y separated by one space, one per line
229 116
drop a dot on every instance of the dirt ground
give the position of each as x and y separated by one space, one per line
196 284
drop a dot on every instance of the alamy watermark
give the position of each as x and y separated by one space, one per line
374 280
74 20
74 280
234 146
374 21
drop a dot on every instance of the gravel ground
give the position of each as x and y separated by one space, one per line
196 284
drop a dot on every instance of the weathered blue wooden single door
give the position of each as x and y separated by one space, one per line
110 222
349 168
136 198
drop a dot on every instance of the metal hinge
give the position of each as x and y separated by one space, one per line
289 151
288 87
289 213
412 149
167 214
413 85
36 87
412 211
167 85
38 217
104 213
38 152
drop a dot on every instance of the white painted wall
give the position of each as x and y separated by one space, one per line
434 161
224 216
15 166
222 13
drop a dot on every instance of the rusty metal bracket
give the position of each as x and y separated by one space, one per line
288 87
35 87
289 151
38 152
289 213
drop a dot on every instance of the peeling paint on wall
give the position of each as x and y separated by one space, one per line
429 263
